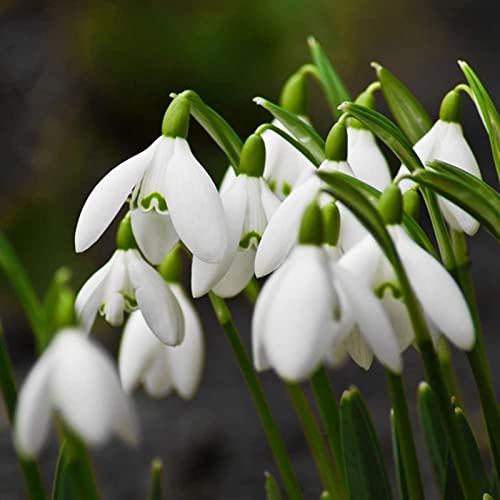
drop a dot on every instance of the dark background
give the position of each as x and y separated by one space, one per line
84 87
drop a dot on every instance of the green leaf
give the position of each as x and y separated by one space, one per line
65 484
434 434
155 480
490 115
272 488
218 128
335 90
405 107
452 187
398 460
365 468
303 132
16 275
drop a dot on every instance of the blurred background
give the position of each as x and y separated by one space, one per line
83 86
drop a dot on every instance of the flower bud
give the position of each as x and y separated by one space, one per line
311 226
390 205
176 119
125 239
294 94
336 143
253 156
171 268
450 107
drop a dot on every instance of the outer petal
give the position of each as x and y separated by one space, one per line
138 349
157 381
453 148
371 319
238 275
358 349
195 205
227 179
90 296
33 409
438 293
398 314
282 231
154 233
158 305
186 360
86 391
366 158
204 276
106 199
351 230
297 327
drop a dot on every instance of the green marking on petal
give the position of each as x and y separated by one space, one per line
130 302
154 200
248 238
272 185
286 188
391 287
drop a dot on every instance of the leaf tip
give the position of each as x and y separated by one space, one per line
376 66
259 101
312 42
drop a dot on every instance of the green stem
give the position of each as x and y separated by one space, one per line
329 412
477 356
405 436
29 467
314 439
274 438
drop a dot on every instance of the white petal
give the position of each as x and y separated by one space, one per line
157 381
268 199
195 205
238 275
282 231
371 319
297 326
204 276
454 149
90 296
358 349
86 391
366 158
158 305
32 420
154 233
115 288
227 179
138 349
351 230
106 199
337 355
398 314
438 293
186 360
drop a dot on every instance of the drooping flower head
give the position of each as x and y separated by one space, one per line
173 197
77 380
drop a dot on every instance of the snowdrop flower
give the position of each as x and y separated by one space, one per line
438 294
249 203
160 368
172 197
75 379
126 283
363 153
445 141
280 235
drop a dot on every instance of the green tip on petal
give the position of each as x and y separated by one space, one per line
390 205
336 143
176 119
125 239
253 156
450 107
294 94
411 203
171 267
331 223
311 226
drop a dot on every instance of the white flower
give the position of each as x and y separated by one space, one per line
285 165
445 141
248 203
439 295
161 368
125 283
77 380
366 159
173 197
293 316
281 233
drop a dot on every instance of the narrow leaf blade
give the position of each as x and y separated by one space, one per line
398 460
272 488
